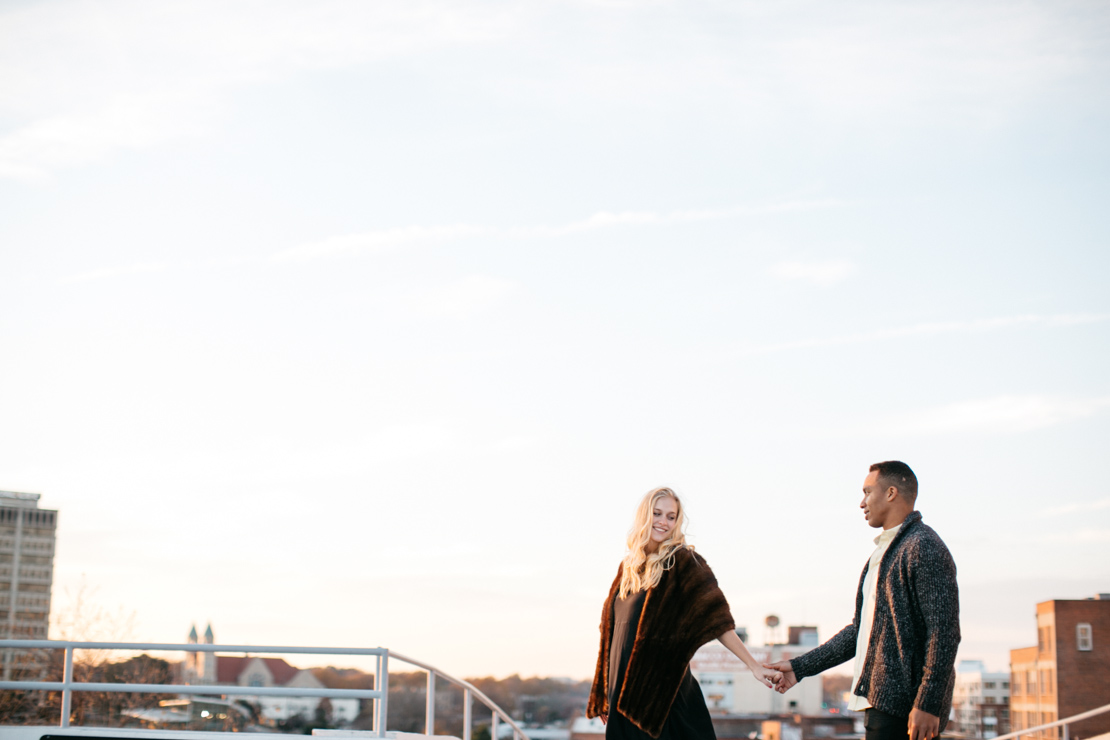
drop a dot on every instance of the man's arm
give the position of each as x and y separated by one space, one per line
837 649
823 657
933 577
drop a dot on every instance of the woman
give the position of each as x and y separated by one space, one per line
664 604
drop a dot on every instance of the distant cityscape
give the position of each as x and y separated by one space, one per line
1065 673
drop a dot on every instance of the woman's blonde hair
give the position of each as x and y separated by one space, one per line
642 570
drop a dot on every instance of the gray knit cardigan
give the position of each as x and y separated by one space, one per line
914 635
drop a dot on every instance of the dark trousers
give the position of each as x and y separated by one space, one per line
882 726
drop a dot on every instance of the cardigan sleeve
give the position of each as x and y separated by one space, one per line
935 590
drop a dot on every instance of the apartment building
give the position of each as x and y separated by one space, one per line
1067 672
26 576
981 701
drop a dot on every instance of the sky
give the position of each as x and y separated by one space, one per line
369 323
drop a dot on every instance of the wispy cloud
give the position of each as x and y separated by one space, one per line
63 61
111 272
1077 508
385 240
606 219
999 414
815 273
973 326
128 122
1085 536
382 240
459 299
377 241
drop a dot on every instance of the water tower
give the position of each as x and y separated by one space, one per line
772 635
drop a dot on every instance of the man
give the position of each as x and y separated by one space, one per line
907 622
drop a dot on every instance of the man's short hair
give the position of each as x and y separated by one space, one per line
896 473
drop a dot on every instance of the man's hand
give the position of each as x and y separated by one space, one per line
788 678
923 726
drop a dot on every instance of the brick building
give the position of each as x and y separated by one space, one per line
1067 671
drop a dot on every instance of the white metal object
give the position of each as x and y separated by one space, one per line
430 705
380 694
67 681
1058 723
466 714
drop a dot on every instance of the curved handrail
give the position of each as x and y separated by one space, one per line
1058 723
517 732
379 695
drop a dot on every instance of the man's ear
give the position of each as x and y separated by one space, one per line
891 493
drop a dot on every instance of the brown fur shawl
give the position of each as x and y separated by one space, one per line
682 613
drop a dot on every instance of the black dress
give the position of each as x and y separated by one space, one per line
689 716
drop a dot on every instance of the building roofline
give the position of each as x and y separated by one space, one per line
22 500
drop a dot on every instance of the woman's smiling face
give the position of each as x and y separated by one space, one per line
663 517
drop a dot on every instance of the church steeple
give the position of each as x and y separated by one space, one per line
206 662
191 667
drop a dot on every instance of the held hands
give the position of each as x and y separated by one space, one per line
786 677
923 726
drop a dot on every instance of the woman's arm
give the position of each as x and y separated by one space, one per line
765 676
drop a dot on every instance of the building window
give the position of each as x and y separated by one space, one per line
1084 637
1045 677
988 684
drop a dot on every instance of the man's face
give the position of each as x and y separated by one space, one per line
875 502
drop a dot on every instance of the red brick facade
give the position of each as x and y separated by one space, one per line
1067 672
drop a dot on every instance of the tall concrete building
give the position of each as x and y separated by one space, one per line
1067 672
26 575
981 701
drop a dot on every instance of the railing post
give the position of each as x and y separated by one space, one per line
1065 732
430 708
466 714
494 722
383 683
67 694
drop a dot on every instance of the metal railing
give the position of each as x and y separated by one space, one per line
379 695
1051 725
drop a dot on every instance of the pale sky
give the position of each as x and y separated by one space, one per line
361 324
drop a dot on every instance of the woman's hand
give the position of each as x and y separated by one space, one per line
604 718
766 676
